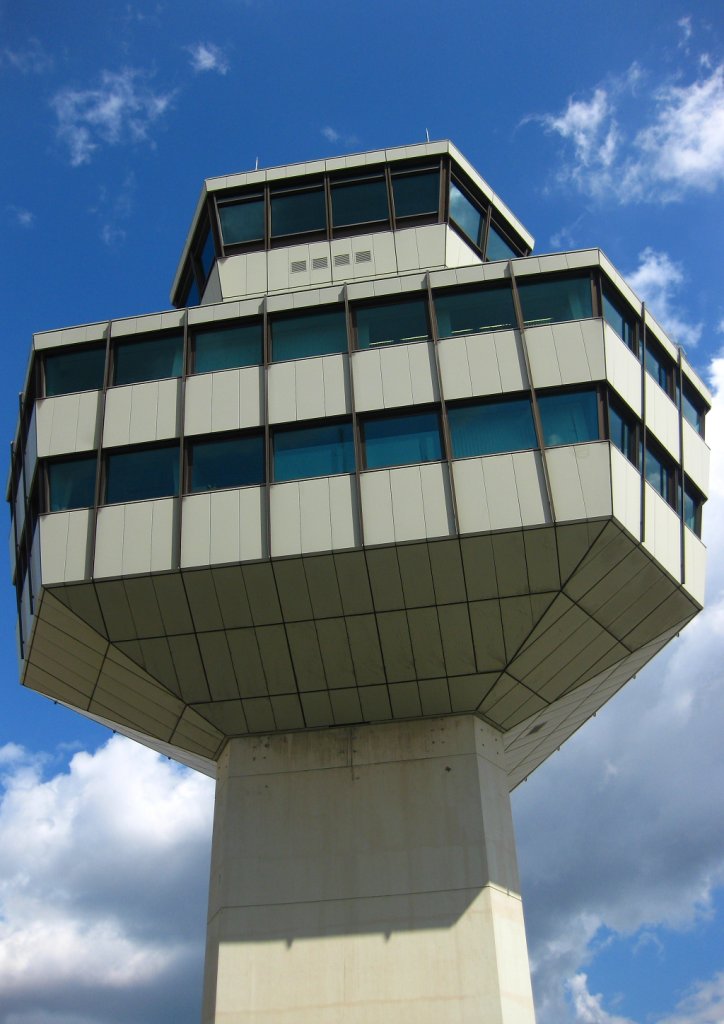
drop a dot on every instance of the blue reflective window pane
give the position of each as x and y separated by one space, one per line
150 357
467 216
497 247
569 418
692 410
359 202
416 194
293 213
493 427
192 295
616 315
227 462
391 323
242 222
659 366
322 450
554 301
74 370
401 440
208 255
313 334
221 348
143 473
660 474
623 434
71 483
489 309
692 510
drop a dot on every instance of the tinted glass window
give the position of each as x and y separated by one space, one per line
208 255
569 418
387 324
493 427
692 409
623 432
400 440
293 213
490 309
467 216
692 508
76 369
659 365
497 247
149 357
220 348
143 473
71 483
227 462
359 202
622 321
322 450
242 222
416 194
314 334
660 474
553 301
192 295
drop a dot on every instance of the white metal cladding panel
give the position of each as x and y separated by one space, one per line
663 532
64 542
313 515
457 252
396 376
223 526
500 492
244 274
377 515
580 479
408 255
431 245
695 566
482 364
224 400
696 458
70 336
567 353
138 413
662 417
623 369
626 490
135 538
67 423
309 388
282 383
455 370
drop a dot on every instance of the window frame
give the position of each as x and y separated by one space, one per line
220 325
303 186
175 443
491 401
629 417
226 435
672 468
139 338
69 349
570 389
406 412
360 227
400 299
299 425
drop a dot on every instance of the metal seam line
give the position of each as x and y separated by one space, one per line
446 437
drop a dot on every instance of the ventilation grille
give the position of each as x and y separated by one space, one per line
298 266
365 256
341 259
320 263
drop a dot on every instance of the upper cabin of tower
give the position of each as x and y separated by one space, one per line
386 212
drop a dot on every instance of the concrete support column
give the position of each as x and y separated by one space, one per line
366 875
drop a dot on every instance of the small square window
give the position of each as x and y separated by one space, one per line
142 473
402 439
230 461
322 449
71 483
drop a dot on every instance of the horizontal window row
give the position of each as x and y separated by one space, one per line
339 204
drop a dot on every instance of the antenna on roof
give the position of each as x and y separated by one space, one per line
427 134
256 165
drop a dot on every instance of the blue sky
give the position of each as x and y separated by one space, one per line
600 125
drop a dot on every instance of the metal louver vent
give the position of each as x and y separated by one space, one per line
365 256
341 259
297 266
320 263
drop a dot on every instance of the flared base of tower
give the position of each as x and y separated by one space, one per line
366 875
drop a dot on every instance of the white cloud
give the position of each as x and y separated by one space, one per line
676 148
208 57
655 280
703 1005
22 217
588 1008
638 849
334 136
121 109
686 30
33 59
103 881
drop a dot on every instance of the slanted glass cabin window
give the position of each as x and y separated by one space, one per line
692 407
207 255
623 431
660 365
416 194
69 370
660 472
298 212
242 222
142 473
488 428
390 323
620 318
71 483
361 201
222 348
693 504
466 216
569 417
552 300
323 449
472 312
311 334
148 357
498 248
231 461
402 439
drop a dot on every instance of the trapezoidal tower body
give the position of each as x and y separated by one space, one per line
365 527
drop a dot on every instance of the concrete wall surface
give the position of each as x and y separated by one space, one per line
366 874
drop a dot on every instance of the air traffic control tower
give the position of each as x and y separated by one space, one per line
365 528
